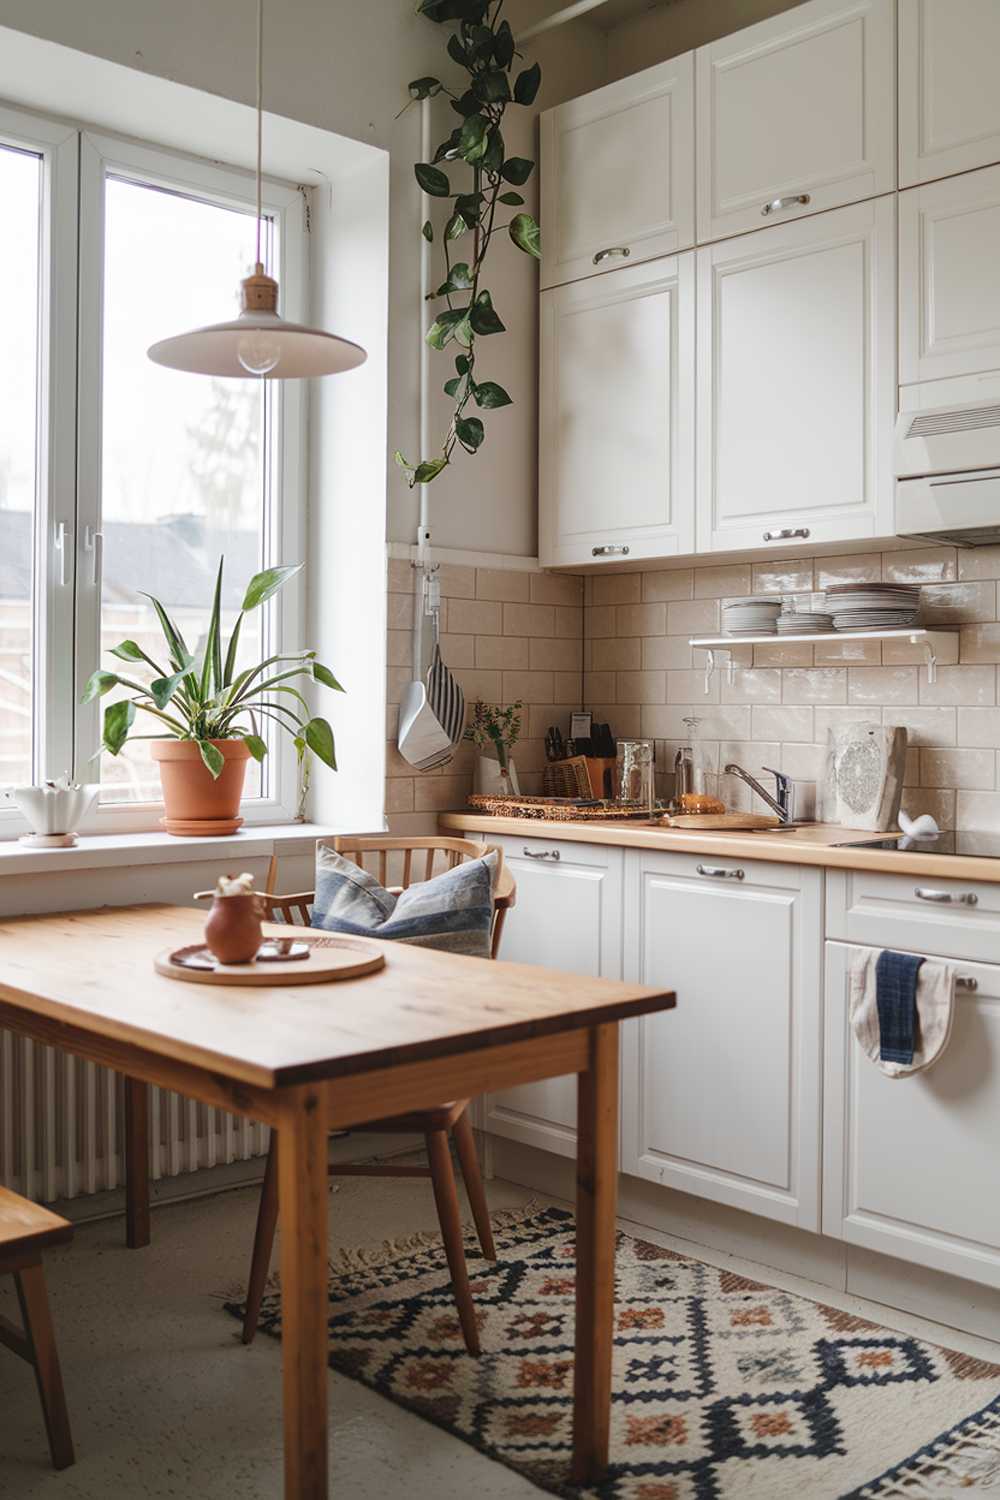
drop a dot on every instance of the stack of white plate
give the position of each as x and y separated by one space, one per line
810 622
873 606
750 616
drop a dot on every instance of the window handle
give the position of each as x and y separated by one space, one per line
93 541
62 541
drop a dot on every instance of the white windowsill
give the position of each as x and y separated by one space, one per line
96 851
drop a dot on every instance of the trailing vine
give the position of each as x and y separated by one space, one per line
482 43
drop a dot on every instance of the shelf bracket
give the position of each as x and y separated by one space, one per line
930 655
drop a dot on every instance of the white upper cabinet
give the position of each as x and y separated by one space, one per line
721 1097
617 174
797 381
949 102
796 114
949 286
616 449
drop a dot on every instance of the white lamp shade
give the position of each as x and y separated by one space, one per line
294 349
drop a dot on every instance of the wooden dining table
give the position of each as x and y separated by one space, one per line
308 1059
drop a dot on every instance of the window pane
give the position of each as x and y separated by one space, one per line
182 476
20 190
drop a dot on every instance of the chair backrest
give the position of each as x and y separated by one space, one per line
415 859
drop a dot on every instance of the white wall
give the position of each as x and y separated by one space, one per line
345 68
678 27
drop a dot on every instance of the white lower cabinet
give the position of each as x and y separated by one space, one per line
910 1164
721 1097
568 916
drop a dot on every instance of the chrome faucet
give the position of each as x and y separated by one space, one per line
781 802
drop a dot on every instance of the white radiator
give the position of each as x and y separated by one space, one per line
62 1126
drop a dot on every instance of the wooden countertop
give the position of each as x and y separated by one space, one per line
800 846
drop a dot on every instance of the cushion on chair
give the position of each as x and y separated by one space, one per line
453 911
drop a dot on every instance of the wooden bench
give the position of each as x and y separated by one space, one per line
26 1229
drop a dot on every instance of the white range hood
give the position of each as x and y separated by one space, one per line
948 461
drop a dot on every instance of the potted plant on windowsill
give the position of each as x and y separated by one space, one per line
211 714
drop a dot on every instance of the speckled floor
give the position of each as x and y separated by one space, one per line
166 1401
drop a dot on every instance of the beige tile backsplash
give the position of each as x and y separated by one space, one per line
617 643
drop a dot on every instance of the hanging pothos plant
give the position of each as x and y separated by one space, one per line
483 45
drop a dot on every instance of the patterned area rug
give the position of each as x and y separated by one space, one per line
722 1387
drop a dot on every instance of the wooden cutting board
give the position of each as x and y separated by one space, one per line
731 821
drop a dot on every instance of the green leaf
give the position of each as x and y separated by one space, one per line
211 670
463 333
128 651
255 745
489 395
472 142
403 463
456 49
525 233
234 641
468 205
319 738
451 387
463 364
492 86
180 656
263 585
517 169
526 86
443 327
432 180
461 276
455 226
479 42
512 200
470 433
163 688
483 317
99 683
425 88
212 757
325 676
428 231
430 469
448 149
467 105
503 45
118 720
493 155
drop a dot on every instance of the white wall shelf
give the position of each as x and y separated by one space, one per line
930 640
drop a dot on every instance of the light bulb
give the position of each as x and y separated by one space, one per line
258 352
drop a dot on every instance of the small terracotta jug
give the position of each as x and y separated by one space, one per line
232 931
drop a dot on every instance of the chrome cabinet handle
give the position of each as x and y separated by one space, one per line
716 872
542 854
945 898
777 204
787 533
93 541
966 982
611 549
622 250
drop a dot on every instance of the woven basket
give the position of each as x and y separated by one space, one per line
567 778
544 808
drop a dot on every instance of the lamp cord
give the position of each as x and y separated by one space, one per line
260 118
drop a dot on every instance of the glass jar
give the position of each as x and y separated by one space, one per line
634 781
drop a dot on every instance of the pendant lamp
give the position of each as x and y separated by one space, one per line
258 343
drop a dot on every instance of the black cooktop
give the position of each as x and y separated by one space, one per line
978 845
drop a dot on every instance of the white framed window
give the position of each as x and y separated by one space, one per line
137 478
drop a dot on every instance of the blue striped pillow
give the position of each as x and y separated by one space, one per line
454 911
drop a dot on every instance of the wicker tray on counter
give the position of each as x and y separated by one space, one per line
547 809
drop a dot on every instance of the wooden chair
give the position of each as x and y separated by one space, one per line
26 1229
435 1124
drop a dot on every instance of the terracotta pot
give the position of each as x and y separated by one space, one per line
195 803
232 931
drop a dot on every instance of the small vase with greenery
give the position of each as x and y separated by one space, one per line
499 728
210 714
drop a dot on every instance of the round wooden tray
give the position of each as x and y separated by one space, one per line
329 958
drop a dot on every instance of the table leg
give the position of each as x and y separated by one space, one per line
137 1233
596 1190
302 1194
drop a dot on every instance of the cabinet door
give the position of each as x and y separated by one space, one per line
797 382
949 104
795 115
910 1164
617 173
949 291
568 915
616 438
721 1097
